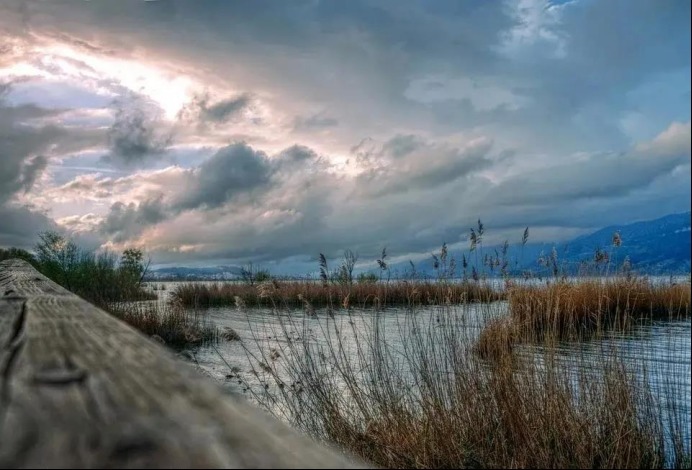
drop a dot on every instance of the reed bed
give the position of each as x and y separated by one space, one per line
415 396
168 323
571 309
581 310
362 295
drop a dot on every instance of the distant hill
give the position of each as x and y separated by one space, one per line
186 273
660 246
657 247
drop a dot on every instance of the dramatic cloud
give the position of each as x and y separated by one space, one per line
406 163
137 133
203 110
601 175
233 170
223 131
20 225
24 144
124 222
21 146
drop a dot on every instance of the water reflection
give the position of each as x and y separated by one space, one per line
659 352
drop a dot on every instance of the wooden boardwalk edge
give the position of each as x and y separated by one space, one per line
81 389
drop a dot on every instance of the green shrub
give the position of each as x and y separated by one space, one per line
100 278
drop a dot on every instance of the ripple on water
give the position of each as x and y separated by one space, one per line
658 352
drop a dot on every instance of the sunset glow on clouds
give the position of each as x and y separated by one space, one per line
216 132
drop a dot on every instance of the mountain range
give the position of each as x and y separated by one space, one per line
656 247
660 246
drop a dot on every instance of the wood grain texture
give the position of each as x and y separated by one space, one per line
81 389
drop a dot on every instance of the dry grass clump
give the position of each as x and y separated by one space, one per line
497 339
567 310
418 398
170 324
504 421
363 295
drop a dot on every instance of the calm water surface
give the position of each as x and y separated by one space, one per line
659 352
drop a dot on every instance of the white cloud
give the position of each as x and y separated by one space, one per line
672 142
536 27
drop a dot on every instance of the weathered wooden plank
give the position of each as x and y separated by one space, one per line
79 388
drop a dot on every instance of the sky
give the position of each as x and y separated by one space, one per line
216 132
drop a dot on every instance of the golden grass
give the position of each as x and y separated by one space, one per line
504 422
496 340
169 324
420 399
580 310
570 309
362 295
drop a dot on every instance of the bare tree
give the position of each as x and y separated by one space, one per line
347 266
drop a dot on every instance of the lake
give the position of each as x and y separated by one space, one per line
657 352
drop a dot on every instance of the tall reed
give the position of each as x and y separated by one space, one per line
411 394
569 309
363 295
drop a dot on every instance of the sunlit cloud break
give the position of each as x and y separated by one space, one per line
222 132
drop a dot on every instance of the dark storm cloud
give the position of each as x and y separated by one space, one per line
407 163
32 169
293 159
222 110
20 225
600 176
21 163
24 146
203 110
137 133
231 171
126 221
